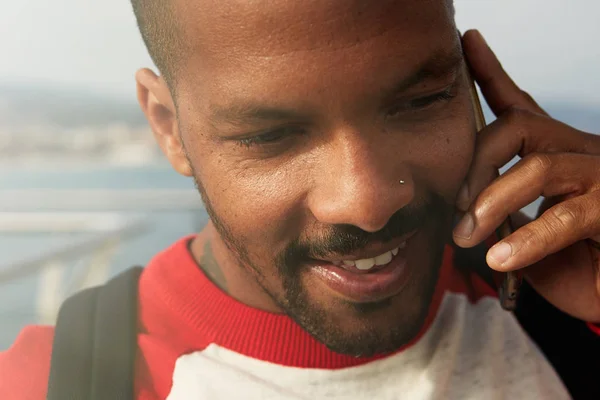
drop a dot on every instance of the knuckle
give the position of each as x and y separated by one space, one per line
537 163
517 115
528 98
546 231
575 219
534 237
564 217
518 121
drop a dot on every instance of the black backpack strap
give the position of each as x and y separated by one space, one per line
95 342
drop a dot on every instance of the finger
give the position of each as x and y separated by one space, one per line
559 227
536 175
519 132
499 90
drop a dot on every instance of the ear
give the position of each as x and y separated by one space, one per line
158 106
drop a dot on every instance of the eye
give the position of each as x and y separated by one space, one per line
421 103
269 138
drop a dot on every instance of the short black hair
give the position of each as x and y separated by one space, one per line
160 31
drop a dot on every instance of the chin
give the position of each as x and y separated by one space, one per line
368 329
365 313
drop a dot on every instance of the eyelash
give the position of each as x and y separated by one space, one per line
268 137
423 102
413 105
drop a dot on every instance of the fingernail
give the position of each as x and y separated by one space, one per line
465 227
501 252
462 199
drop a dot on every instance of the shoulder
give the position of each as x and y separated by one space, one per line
25 366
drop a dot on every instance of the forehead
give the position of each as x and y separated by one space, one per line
235 44
293 25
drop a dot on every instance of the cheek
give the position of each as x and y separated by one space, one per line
262 208
445 163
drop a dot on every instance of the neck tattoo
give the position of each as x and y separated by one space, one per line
210 267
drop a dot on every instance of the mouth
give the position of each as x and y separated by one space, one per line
365 265
372 258
367 279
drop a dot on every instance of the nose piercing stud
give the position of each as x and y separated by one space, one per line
401 182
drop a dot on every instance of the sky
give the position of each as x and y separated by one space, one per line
550 47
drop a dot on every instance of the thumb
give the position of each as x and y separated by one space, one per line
499 90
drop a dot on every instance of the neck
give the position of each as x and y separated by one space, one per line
225 271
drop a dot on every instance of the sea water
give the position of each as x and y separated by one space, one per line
18 297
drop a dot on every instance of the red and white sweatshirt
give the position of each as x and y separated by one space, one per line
196 342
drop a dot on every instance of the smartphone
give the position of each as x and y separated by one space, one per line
510 283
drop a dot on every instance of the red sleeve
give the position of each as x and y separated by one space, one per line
25 367
595 328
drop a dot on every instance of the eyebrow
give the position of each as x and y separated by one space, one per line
441 63
249 112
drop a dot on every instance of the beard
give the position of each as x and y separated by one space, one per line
367 338
431 215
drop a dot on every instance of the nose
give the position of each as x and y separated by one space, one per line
361 184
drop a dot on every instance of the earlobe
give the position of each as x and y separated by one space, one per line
157 104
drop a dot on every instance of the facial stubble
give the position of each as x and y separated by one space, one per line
316 319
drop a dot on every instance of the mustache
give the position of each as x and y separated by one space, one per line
343 239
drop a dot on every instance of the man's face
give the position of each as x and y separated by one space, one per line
329 131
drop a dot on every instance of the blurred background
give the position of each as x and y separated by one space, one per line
84 190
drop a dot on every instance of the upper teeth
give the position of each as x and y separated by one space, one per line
368 263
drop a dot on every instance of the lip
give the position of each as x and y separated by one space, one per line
360 287
369 252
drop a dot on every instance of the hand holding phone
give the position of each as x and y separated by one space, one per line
508 289
555 249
